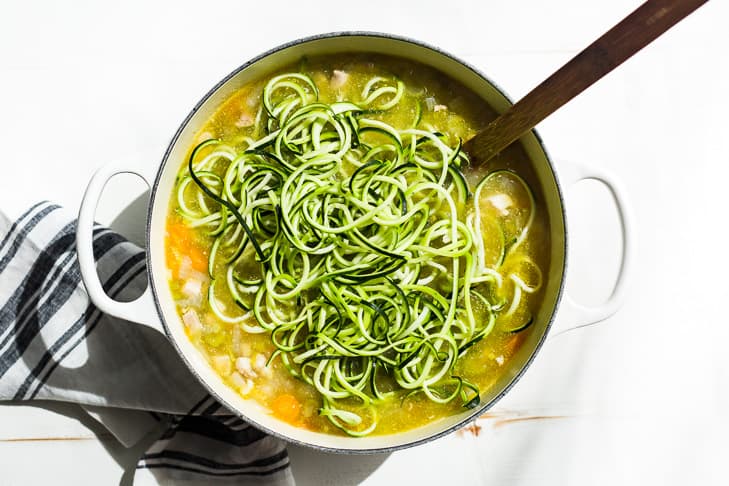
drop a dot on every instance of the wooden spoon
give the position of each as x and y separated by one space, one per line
634 32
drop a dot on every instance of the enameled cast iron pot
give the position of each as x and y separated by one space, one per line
156 307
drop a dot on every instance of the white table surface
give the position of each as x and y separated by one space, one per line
642 398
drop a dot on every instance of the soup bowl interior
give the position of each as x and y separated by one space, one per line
164 185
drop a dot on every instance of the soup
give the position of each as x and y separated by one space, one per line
336 258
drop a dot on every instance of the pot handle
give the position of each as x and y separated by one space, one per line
573 315
142 310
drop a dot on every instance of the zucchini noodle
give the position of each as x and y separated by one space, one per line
357 245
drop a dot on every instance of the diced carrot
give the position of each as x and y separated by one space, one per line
198 258
181 242
287 408
173 258
512 345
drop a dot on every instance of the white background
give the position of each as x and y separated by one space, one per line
640 399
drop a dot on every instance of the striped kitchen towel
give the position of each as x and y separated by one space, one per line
55 345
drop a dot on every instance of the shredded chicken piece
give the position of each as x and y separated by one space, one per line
245 120
339 78
192 289
259 365
244 386
502 202
192 321
244 367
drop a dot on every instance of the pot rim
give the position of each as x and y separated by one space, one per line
210 389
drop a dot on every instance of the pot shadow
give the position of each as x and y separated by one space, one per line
307 464
125 457
313 468
64 358
131 221
532 416
75 361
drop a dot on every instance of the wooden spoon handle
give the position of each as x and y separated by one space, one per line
634 32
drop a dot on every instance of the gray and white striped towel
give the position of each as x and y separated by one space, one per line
55 345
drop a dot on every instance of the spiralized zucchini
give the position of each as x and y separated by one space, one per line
356 245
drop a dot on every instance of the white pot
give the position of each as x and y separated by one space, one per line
156 308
